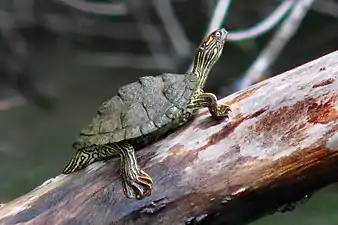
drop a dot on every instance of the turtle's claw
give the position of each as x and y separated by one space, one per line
223 110
139 187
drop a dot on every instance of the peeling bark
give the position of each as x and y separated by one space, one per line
280 144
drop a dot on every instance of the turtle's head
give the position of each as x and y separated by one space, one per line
208 53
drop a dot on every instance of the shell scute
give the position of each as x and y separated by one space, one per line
148 127
139 109
171 112
132 132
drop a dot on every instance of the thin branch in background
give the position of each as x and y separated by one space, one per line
152 36
220 12
264 26
173 27
124 60
16 42
15 66
12 102
5 19
112 9
24 12
210 6
57 24
328 7
274 47
217 19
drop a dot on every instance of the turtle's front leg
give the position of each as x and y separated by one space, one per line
209 100
136 183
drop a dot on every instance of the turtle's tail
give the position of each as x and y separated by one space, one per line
81 160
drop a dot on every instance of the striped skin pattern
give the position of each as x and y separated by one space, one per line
206 56
144 111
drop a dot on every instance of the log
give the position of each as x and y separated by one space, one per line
279 145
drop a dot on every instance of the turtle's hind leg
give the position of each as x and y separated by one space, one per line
81 160
136 183
209 100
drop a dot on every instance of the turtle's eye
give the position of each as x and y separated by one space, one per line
218 34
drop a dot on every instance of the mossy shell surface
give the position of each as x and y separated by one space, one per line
139 109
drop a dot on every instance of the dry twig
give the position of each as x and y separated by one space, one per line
278 41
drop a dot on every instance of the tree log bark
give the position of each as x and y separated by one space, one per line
280 144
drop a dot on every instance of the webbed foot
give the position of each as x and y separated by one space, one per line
137 186
136 183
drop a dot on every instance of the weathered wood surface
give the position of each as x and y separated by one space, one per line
280 144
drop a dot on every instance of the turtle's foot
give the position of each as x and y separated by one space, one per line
138 185
209 100
222 111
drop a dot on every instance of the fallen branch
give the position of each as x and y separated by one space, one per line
6 104
279 145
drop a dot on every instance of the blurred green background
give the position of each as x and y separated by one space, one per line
59 61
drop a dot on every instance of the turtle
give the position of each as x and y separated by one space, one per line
146 110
